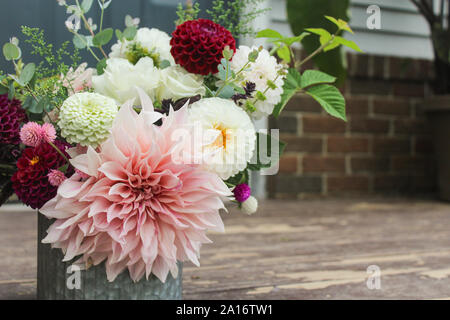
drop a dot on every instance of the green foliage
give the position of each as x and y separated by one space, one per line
263 157
316 84
103 37
236 15
303 14
189 12
136 51
11 51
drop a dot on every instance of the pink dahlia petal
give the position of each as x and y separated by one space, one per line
56 177
139 209
31 134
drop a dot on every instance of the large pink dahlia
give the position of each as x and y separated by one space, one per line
138 209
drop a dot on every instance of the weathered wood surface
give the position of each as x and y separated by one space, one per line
315 249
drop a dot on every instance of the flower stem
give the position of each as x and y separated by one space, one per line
59 151
316 52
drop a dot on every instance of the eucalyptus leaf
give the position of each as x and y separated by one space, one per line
164 64
227 92
86 5
11 51
103 37
101 65
129 33
27 73
37 107
79 41
12 90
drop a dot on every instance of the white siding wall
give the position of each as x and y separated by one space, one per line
404 32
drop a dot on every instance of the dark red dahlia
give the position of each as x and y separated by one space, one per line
11 116
197 45
30 182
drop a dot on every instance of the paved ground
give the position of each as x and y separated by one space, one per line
315 249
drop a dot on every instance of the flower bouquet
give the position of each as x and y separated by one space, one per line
129 162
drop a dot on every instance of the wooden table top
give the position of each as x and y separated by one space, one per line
306 249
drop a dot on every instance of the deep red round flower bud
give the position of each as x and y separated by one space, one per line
197 45
30 182
11 116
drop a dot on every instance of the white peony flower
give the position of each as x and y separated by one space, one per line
152 42
249 206
120 79
177 83
263 69
230 134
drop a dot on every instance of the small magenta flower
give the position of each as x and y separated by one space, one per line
56 177
82 174
242 192
31 134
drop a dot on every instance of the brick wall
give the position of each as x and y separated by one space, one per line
384 147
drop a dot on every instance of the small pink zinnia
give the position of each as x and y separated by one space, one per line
140 209
56 177
31 134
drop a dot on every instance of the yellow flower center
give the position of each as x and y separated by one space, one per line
34 160
221 140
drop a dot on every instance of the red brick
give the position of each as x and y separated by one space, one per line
347 144
361 66
322 124
391 106
409 89
323 164
392 183
364 87
413 164
302 144
378 67
403 68
423 145
348 183
424 183
357 105
391 145
303 103
364 125
411 126
288 164
369 164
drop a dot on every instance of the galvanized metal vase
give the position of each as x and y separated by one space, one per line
53 275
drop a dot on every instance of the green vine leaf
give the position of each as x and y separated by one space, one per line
291 85
314 77
330 98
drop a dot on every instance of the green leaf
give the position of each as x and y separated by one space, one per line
330 98
291 85
164 64
341 24
290 41
101 65
79 41
12 90
268 33
86 5
27 73
314 77
3 89
227 92
320 32
334 44
103 37
11 51
284 53
38 107
348 43
119 34
129 33
306 13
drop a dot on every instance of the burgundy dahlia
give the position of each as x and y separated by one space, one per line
197 45
11 116
242 192
30 182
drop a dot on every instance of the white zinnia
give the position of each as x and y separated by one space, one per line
263 69
86 118
231 133
153 40
121 78
177 83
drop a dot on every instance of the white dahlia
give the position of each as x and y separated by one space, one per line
86 118
121 78
229 133
263 69
153 43
177 83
